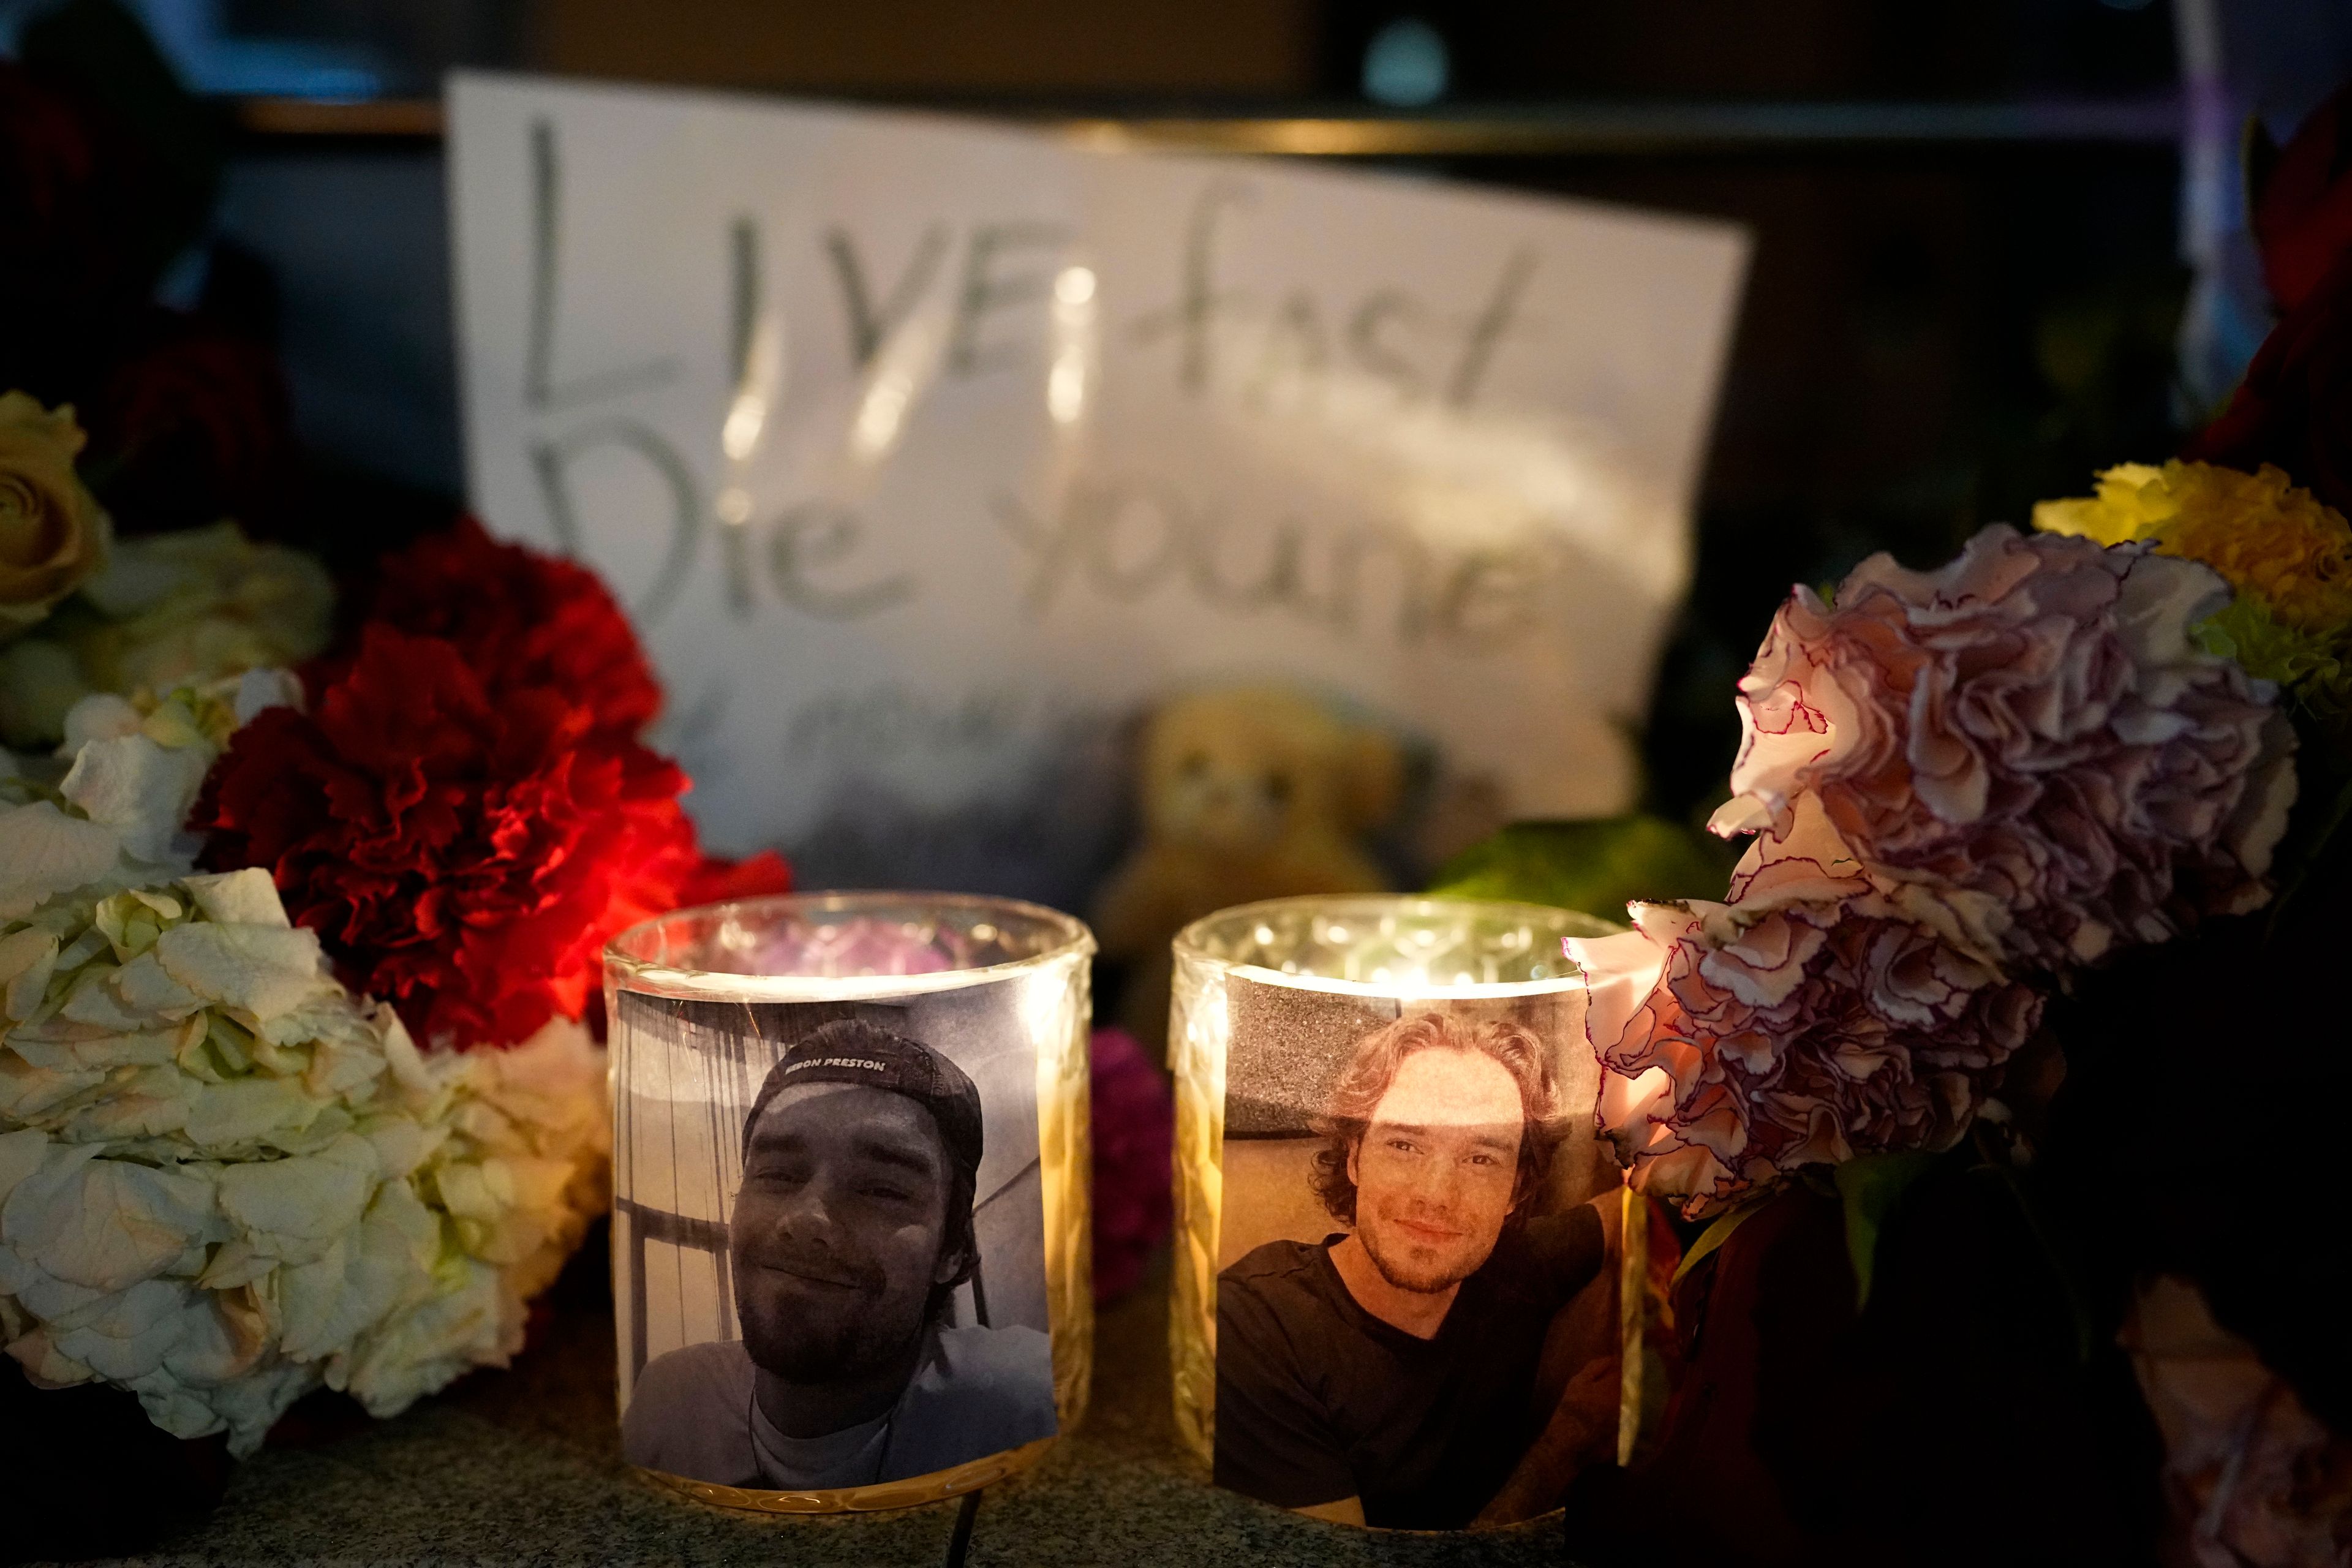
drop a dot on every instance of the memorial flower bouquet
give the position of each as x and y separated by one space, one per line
1986 1076
1964 786
297 1081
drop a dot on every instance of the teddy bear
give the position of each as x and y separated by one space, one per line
1246 793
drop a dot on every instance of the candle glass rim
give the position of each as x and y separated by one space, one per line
1073 939
1188 943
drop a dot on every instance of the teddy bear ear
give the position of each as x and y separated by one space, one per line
1372 777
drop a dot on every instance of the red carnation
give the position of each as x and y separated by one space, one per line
2293 407
520 618
718 881
192 425
463 849
78 244
2302 210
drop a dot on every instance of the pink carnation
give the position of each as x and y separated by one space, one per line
2246 1465
1134 1130
1808 1022
2029 735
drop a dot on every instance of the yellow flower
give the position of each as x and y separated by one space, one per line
52 531
2268 538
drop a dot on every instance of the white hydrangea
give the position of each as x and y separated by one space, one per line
166 610
225 1181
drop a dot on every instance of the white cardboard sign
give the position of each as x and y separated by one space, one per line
925 450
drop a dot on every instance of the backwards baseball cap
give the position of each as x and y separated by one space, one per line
850 1050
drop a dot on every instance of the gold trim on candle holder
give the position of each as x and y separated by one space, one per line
1196 1043
912 1492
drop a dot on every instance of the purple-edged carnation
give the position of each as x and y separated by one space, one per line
1810 1020
2030 738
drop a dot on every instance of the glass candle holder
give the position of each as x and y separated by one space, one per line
851 1260
1391 1214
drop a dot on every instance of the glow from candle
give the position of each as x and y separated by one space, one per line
1074 344
906 365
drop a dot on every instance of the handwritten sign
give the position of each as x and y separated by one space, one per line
927 452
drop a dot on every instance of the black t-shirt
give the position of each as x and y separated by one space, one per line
1318 1400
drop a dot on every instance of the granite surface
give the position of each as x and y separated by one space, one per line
524 1466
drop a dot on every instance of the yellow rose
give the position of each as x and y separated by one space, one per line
52 531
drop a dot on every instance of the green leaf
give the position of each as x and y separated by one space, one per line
1871 1186
1597 865
1715 1236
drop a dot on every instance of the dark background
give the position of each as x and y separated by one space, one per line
1967 287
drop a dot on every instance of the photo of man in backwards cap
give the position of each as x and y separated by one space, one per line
1385 1374
850 1233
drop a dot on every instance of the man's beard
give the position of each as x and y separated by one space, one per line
851 1340
1406 1273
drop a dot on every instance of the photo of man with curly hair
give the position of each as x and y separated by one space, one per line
1384 1375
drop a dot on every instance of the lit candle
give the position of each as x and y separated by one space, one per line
1389 1200
850 1227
